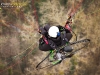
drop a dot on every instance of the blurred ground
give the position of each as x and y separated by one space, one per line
18 32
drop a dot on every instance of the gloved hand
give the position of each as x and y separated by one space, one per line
61 28
41 41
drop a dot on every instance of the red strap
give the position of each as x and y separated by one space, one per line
68 27
44 38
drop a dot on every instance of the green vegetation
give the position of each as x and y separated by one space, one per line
37 5
34 51
27 8
73 64
10 71
63 2
2 66
87 4
12 43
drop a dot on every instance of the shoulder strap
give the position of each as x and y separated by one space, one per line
45 39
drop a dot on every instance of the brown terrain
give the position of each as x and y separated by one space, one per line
19 53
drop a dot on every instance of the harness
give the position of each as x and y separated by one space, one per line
52 44
47 40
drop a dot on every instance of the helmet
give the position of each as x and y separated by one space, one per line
53 31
